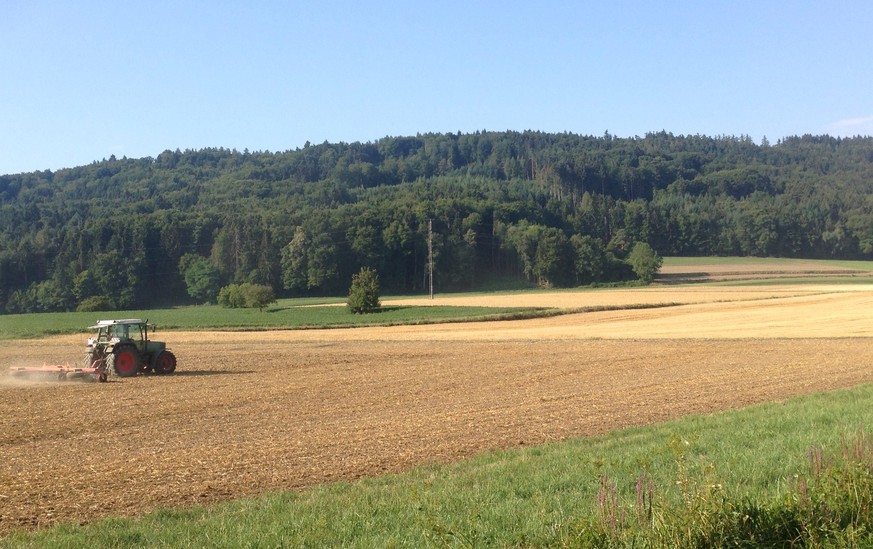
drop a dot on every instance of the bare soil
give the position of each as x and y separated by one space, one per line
263 411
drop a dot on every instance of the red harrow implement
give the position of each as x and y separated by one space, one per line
59 372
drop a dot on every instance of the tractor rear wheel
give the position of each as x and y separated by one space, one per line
164 363
125 360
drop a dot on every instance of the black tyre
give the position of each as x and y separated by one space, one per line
164 363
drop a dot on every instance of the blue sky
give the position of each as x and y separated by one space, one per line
80 81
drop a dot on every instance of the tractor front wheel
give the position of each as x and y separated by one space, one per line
125 361
164 363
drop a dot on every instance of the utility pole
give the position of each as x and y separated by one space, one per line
430 253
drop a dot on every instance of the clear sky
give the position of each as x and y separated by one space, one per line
81 81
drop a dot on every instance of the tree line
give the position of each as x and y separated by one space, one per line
543 208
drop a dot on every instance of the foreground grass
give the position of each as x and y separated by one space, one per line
579 493
286 314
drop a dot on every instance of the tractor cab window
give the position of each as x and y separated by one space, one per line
116 331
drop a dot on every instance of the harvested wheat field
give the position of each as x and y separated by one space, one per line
253 412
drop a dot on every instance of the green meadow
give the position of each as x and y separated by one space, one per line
769 262
285 314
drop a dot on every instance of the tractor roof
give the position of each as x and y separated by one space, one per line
115 322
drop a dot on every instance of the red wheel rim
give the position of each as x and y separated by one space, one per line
125 363
165 363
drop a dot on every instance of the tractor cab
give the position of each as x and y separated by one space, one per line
129 330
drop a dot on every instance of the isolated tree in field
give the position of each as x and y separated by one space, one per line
231 297
259 295
364 292
238 296
644 261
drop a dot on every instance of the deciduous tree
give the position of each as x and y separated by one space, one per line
364 292
644 261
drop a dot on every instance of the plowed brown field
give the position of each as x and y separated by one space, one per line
254 412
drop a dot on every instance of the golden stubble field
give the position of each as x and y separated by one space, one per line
253 412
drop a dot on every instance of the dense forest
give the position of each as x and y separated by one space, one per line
548 209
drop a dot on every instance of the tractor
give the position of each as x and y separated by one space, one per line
124 347
121 347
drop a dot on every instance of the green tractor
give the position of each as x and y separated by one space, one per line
124 348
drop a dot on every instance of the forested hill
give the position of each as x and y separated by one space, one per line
555 209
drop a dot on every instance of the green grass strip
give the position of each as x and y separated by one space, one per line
799 281
765 262
281 316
